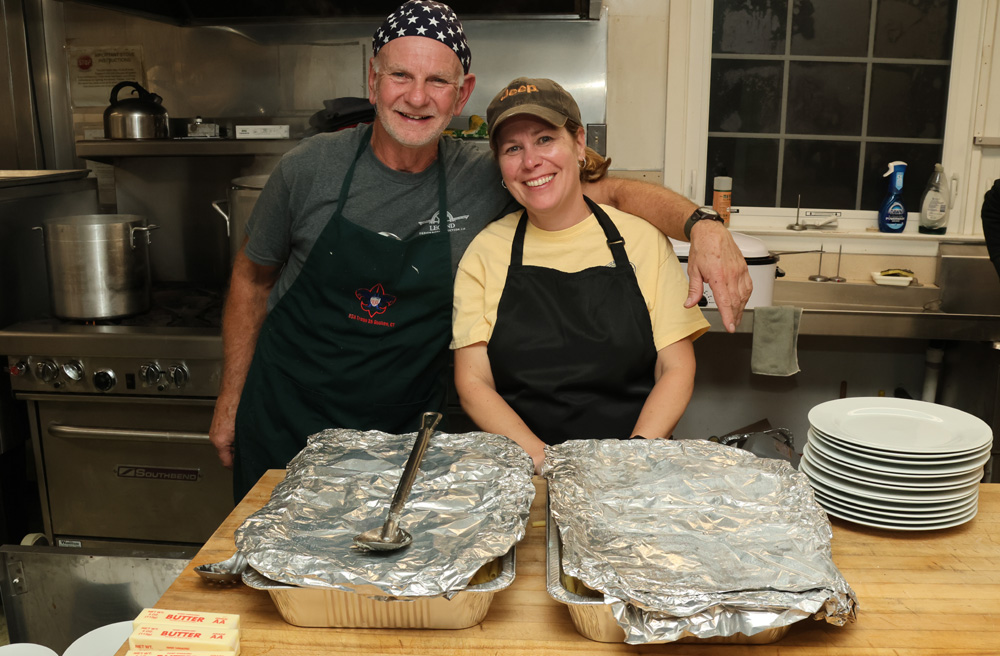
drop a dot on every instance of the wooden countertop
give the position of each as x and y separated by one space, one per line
927 592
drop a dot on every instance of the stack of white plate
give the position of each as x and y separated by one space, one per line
896 463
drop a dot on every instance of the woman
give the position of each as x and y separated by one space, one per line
568 323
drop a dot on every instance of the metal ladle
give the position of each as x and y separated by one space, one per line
228 571
390 537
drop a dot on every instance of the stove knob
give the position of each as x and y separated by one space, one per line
179 374
73 370
18 368
104 380
149 373
47 371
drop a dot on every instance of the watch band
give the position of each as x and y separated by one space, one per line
698 215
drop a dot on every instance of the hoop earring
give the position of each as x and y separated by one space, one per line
582 163
503 184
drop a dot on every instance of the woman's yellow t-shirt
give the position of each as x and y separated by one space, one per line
482 273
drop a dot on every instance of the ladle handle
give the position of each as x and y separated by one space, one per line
427 424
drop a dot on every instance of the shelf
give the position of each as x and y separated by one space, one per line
105 150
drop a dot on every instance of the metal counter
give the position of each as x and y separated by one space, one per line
904 324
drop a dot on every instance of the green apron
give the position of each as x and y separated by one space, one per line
360 340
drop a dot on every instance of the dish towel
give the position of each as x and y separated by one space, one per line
775 339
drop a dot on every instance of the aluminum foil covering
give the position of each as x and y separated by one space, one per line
693 538
468 506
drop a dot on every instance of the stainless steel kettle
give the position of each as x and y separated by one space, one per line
140 117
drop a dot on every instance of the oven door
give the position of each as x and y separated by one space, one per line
128 468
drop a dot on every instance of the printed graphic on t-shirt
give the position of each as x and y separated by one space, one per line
375 300
432 226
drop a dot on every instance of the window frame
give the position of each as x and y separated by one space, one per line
688 85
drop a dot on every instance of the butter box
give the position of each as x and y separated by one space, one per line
171 637
146 652
187 618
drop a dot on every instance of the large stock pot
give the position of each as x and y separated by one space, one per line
98 265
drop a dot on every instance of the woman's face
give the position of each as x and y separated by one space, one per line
540 164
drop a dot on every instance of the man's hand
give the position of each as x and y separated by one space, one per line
242 317
716 259
222 433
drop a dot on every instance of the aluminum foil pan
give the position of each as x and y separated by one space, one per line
468 506
594 618
314 607
693 538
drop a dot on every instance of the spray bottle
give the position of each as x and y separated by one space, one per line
892 214
934 204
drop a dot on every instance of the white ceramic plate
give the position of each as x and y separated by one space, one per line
906 525
848 473
891 514
905 506
882 493
873 460
897 456
929 474
821 455
901 425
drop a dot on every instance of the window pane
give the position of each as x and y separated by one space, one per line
824 172
920 160
749 26
745 96
919 29
908 101
825 98
831 27
751 163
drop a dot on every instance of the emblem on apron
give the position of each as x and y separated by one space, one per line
374 301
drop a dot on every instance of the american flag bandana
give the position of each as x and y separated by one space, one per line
433 20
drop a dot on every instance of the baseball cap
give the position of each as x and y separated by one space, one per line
539 97
434 20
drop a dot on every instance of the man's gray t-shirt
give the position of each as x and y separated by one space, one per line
302 193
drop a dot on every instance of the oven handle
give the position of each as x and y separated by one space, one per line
82 433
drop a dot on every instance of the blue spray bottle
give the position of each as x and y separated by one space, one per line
892 213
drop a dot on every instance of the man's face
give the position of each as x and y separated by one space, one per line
417 89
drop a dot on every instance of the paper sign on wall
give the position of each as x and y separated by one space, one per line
95 70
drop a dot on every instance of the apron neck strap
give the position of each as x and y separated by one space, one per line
346 185
615 242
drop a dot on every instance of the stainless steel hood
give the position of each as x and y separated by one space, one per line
243 12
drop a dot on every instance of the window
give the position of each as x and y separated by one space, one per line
816 97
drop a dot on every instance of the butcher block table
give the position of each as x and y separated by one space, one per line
923 592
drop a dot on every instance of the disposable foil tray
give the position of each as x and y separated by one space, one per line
592 617
323 607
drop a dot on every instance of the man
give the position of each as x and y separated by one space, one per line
990 215
339 309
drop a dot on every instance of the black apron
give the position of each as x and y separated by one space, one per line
573 353
360 340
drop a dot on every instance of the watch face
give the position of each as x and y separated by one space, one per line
708 212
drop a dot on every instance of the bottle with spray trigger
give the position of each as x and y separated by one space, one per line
892 213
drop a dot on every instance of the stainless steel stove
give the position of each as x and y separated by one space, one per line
119 413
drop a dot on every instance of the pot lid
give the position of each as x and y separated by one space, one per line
751 247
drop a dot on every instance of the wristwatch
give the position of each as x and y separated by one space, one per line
699 214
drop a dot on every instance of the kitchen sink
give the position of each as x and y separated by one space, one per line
861 296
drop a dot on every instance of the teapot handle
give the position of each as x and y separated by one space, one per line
143 94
